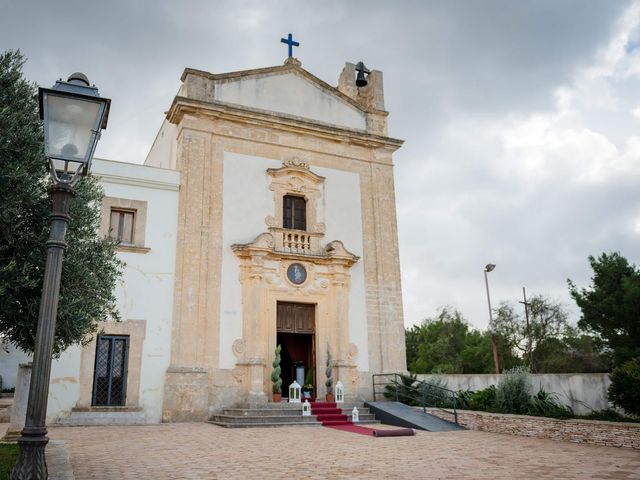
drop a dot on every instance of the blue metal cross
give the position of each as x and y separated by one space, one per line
291 43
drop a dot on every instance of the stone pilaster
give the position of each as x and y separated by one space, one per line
195 335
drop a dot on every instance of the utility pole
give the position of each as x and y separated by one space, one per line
526 315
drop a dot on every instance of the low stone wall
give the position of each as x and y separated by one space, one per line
583 392
611 434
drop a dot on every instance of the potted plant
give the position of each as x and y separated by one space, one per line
275 376
307 389
329 372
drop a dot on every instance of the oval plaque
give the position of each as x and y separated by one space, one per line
296 273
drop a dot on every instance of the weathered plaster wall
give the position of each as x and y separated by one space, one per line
292 95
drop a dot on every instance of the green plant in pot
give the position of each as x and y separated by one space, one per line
275 376
329 373
307 389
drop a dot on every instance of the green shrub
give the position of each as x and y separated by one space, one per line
545 404
275 373
462 399
483 400
433 392
405 391
514 391
624 390
608 415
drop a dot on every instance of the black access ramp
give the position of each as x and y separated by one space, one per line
401 415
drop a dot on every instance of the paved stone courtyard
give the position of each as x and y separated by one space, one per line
203 451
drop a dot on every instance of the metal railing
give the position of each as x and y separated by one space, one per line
413 392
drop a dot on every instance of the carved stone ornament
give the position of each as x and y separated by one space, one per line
271 221
353 352
238 347
296 184
238 374
295 162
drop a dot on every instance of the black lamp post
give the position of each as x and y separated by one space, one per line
73 115
494 345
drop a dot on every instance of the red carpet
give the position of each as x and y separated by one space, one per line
354 429
331 416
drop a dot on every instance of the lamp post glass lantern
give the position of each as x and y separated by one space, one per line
73 115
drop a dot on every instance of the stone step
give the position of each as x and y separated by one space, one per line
104 416
266 412
240 419
282 414
365 417
267 424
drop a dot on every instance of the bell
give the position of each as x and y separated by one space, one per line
361 80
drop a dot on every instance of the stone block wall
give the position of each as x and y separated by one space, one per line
610 434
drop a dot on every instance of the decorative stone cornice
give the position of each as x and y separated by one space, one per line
182 106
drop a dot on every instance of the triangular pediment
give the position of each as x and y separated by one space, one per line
291 91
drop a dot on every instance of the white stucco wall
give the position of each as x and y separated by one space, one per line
247 200
10 357
163 151
146 290
293 95
343 221
243 219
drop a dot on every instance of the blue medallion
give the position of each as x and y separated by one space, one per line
296 273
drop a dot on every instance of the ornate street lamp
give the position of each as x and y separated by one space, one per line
73 115
488 268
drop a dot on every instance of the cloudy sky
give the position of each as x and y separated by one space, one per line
521 118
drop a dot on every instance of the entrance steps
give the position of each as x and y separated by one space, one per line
280 415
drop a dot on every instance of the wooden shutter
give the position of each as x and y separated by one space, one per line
121 225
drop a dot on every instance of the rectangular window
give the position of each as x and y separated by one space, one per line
110 374
121 225
294 212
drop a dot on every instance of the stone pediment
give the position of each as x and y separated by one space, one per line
265 245
291 91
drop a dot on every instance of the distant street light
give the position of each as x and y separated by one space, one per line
73 115
488 268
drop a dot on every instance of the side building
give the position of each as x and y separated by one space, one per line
124 366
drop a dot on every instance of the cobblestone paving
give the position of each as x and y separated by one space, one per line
203 451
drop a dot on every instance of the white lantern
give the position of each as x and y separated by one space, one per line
294 392
306 409
339 392
355 415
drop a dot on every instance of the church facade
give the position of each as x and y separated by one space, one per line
264 215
